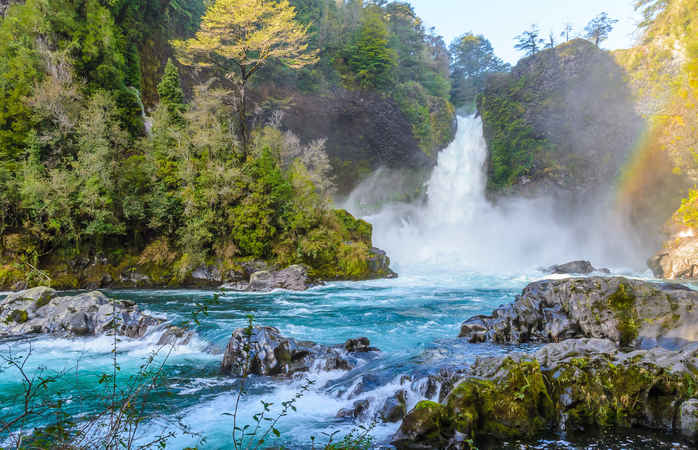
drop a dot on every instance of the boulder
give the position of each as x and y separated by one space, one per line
395 407
359 345
294 278
41 310
358 409
678 259
572 386
264 351
629 312
175 335
574 268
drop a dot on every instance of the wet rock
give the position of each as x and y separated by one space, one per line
358 409
572 386
573 267
174 335
395 407
379 264
207 274
359 345
41 310
678 259
688 419
271 354
421 428
629 312
294 278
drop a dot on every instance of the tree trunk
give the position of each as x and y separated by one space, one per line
243 132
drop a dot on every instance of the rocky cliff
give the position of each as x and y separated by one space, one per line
563 119
364 131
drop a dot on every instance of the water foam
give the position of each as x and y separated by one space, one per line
457 230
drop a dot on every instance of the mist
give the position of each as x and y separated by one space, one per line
456 227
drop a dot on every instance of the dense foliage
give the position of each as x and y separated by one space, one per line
82 181
380 47
473 60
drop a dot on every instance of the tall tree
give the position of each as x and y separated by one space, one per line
238 37
529 41
567 31
550 42
370 59
170 92
598 29
650 9
472 58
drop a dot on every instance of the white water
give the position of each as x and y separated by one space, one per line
458 230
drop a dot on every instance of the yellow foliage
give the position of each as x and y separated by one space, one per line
239 36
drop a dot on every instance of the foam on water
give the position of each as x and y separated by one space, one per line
458 229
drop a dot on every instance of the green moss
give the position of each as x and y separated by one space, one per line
9 275
622 303
18 316
514 147
358 229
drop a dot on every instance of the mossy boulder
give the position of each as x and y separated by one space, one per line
579 385
632 313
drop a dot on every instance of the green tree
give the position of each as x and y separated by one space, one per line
472 59
598 29
650 9
529 41
369 58
238 37
170 91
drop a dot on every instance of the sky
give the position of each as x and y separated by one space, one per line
501 20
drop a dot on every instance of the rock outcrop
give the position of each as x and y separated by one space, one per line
627 356
293 278
363 131
575 385
42 310
264 351
678 258
628 312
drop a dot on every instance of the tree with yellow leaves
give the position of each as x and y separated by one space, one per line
237 37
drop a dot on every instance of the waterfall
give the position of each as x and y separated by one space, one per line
456 228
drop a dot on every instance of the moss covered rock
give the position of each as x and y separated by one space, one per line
577 385
628 312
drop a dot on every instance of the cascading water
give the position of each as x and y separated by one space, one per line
458 229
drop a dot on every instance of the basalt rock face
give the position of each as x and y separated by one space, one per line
628 312
364 131
271 354
42 310
573 386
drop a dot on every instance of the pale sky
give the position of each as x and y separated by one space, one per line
501 20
